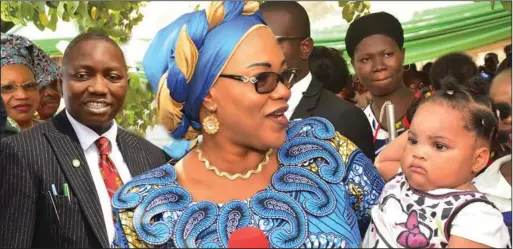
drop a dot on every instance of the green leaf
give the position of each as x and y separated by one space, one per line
65 17
506 5
116 16
27 10
359 7
39 6
71 7
53 19
52 4
115 5
37 22
342 3
135 81
346 12
115 32
367 5
197 7
82 9
61 9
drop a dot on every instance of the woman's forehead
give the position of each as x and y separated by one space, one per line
258 46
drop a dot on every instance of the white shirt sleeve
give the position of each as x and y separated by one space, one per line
481 223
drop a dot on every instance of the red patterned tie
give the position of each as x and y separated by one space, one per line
108 169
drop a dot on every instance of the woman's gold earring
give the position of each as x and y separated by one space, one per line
210 123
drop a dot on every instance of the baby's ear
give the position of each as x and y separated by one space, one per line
481 157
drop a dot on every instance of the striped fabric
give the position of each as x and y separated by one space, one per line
30 162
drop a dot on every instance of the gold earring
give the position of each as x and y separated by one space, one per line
210 123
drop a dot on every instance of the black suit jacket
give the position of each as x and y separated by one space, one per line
3 119
32 161
348 119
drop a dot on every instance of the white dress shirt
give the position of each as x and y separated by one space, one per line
494 185
87 139
297 91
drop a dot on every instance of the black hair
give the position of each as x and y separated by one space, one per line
411 67
301 21
472 101
427 67
491 56
507 50
87 37
505 64
328 66
457 65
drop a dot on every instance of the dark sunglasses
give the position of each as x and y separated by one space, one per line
266 82
503 110
28 87
281 38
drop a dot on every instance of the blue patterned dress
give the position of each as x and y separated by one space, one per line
320 197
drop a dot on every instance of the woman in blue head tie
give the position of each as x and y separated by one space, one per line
220 72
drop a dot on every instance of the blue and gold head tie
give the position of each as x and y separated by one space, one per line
202 40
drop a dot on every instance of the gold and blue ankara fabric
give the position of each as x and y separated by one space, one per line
320 197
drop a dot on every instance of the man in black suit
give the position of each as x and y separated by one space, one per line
81 149
290 23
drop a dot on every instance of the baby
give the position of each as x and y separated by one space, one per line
431 202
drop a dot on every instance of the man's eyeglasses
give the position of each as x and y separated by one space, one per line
281 38
28 87
503 110
266 82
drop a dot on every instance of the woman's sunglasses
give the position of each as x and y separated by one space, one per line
28 87
266 82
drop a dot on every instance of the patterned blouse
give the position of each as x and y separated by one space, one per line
409 218
320 197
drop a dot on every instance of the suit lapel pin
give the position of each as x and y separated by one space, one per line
76 163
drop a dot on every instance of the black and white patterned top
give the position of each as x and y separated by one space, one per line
408 218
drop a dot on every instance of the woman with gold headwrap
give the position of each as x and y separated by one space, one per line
220 72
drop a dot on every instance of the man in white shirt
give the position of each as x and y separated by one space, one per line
57 179
495 181
290 23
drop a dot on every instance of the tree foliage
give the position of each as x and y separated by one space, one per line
138 112
115 19
505 4
352 10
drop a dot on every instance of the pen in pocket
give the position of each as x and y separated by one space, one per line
65 188
54 207
54 190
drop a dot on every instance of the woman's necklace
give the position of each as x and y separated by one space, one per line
238 175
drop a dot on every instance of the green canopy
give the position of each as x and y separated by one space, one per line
435 32
428 35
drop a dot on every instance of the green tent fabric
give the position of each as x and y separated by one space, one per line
436 32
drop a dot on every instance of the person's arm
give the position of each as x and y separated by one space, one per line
18 197
354 125
458 242
388 161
